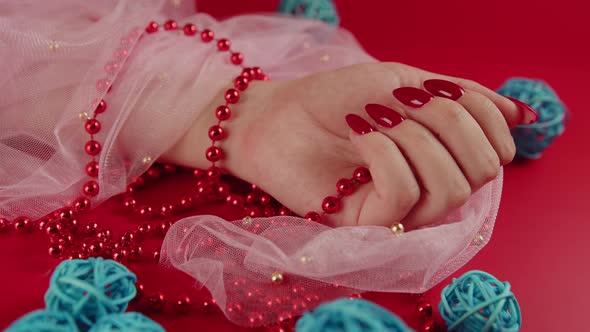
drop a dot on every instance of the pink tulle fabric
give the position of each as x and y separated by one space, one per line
56 58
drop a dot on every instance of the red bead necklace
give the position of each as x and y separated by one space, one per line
69 239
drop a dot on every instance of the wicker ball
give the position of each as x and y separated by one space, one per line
323 10
532 139
44 321
477 301
126 322
90 289
350 315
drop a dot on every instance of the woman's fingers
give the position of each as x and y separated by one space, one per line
443 186
395 188
456 129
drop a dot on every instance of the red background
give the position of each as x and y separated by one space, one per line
539 240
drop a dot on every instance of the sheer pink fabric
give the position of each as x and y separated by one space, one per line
54 53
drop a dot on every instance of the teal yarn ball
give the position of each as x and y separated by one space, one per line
346 315
477 301
323 10
126 322
532 139
44 321
90 289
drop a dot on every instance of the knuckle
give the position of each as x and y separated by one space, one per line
460 193
408 196
490 169
453 111
507 151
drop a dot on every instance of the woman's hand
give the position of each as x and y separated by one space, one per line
427 155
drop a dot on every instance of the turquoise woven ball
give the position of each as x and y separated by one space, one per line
90 289
44 321
346 315
126 322
532 139
478 302
323 10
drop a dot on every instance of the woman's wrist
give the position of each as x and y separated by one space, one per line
190 149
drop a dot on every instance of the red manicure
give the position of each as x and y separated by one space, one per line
384 116
445 89
358 124
528 114
412 97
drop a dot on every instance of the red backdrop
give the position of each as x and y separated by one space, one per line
538 243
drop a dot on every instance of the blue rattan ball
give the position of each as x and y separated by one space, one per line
346 315
126 322
478 302
532 139
44 321
90 289
323 10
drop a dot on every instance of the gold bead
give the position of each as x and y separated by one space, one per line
147 159
478 240
276 277
53 46
83 116
247 221
397 229
325 58
305 259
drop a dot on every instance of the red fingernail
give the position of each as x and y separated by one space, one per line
384 116
528 114
358 124
445 89
412 97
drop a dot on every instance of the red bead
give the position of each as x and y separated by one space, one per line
235 200
156 256
151 27
232 96
253 73
254 211
223 113
81 204
269 211
121 255
431 326
92 126
213 174
424 310
208 306
313 216
246 73
100 107
213 153
139 182
120 54
91 188
111 67
129 202
170 25
362 175
166 209
331 204
237 58
65 214
154 173
53 228
252 198
190 29
169 168
257 72
92 169
104 235
223 44
135 253
344 187
284 211
264 78
91 228
92 147
156 301
223 190
241 83
199 174
264 199
163 227
139 291
127 238
56 250
207 35
95 248
183 304
144 229
216 133
186 201
145 211
103 85
4 224
22 224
